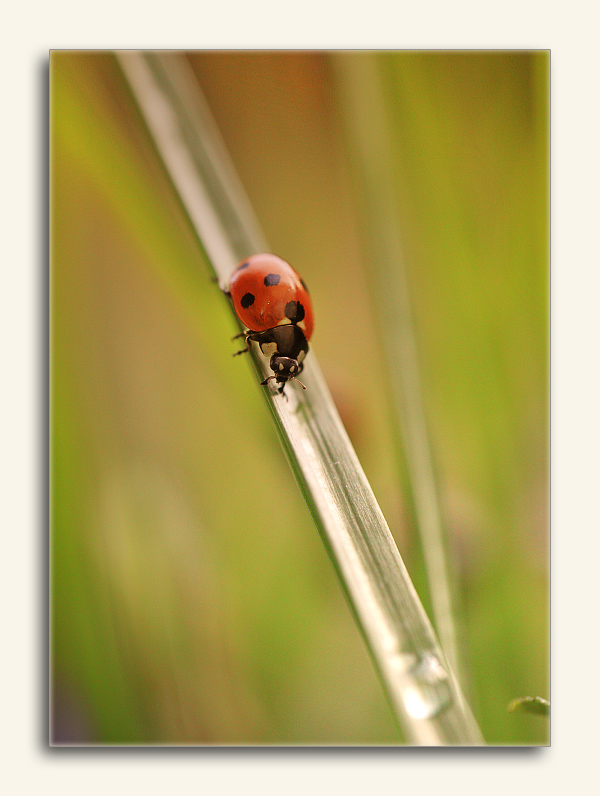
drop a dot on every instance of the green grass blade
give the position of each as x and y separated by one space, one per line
419 683
371 147
536 706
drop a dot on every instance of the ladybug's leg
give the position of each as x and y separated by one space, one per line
249 337
244 350
280 390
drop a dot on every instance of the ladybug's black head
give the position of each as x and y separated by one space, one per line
284 369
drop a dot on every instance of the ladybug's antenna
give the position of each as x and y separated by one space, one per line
299 382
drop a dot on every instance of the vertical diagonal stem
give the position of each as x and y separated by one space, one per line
368 128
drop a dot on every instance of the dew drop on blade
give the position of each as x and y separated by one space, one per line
427 688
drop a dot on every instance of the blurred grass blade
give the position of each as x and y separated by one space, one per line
420 686
533 705
362 96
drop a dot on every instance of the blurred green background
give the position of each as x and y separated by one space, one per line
192 601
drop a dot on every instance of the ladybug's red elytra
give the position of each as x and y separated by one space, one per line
271 299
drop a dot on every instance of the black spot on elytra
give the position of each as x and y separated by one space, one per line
243 265
247 300
294 311
272 279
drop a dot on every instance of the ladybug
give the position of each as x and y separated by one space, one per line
271 299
